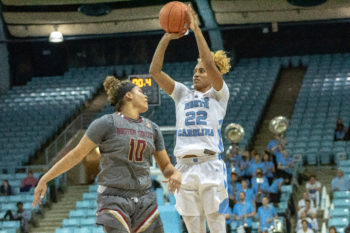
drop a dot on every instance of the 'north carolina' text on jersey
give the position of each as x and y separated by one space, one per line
199 118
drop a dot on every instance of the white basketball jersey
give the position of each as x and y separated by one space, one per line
199 117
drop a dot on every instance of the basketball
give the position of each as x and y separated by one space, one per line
173 17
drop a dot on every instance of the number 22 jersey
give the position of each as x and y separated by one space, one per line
199 118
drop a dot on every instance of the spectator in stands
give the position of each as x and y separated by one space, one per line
260 186
232 161
301 203
347 229
233 156
340 182
252 154
275 190
5 188
305 227
308 210
278 155
249 193
312 223
243 213
233 188
29 182
243 166
20 215
127 143
198 110
255 164
266 215
332 229
347 134
313 187
339 132
273 144
285 165
268 167
229 218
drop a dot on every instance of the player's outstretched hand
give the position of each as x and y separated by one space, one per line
39 193
175 181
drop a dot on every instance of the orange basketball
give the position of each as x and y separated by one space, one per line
173 17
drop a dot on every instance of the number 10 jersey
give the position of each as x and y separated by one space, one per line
126 147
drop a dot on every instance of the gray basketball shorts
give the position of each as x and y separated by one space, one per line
128 211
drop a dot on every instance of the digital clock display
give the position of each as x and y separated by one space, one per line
148 86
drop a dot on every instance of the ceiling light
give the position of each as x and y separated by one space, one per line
56 37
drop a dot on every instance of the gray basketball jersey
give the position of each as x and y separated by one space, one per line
126 147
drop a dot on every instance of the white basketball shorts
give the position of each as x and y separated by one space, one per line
204 186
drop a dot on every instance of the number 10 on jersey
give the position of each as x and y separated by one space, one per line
136 149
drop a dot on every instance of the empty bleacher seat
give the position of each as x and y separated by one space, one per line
170 218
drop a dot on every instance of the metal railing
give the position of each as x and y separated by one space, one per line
81 122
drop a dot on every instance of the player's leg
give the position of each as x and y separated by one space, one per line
113 212
213 195
195 224
210 199
113 221
146 219
216 222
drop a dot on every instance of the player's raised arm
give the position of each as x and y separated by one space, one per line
71 159
164 80
214 75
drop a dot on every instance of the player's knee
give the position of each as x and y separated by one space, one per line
215 216
216 222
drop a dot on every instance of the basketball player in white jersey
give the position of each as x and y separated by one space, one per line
199 115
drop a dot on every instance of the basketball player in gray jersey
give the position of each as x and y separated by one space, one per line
127 143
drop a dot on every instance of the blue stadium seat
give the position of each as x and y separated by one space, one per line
170 218
71 222
65 230
77 213
85 222
341 203
339 213
82 230
160 196
89 196
338 222
341 195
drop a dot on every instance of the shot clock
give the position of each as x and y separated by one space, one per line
148 86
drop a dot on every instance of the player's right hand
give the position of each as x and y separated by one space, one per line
39 193
174 181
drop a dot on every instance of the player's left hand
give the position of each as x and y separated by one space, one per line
174 181
194 18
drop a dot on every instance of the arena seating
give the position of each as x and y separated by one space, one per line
33 113
339 213
322 99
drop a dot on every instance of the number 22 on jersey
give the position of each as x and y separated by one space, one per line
196 118
136 149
